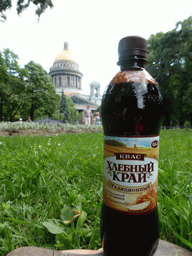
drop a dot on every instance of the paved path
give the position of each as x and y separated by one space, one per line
164 249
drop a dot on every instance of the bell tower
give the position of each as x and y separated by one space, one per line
94 89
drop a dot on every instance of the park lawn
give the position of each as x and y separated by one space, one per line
175 187
51 190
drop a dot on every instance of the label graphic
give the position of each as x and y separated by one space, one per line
131 173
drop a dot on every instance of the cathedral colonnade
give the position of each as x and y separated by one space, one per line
67 80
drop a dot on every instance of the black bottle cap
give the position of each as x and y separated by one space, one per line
132 46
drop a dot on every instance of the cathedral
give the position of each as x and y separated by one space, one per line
66 77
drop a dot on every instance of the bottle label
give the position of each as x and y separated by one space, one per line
131 173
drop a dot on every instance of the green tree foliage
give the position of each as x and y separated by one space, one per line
42 5
64 108
12 86
4 5
170 62
74 116
67 111
29 91
40 92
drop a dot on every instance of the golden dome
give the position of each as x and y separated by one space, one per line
65 55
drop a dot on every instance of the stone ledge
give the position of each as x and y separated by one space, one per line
164 249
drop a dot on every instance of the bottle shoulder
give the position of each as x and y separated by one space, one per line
133 76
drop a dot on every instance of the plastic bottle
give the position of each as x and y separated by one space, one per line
131 113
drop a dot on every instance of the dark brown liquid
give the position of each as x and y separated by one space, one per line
130 109
126 113
128 234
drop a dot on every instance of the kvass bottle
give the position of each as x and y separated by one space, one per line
131 112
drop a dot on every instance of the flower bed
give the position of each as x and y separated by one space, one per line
34 128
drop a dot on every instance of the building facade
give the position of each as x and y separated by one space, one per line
66 77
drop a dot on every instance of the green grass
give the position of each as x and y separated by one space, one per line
51 190
43 177
175 187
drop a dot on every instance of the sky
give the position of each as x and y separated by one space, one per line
131 141
92 29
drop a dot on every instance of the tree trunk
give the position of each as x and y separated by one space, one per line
190 118
32 111
1 109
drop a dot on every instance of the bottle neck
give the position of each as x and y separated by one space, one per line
132 62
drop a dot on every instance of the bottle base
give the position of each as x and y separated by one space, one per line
133 252
154 248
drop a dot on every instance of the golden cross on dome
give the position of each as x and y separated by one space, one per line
66 46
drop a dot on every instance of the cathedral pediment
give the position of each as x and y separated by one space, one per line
78 100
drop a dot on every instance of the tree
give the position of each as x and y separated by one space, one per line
40 92
74 115
64 108
170 62
68 110
4 5
42 5
12 85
